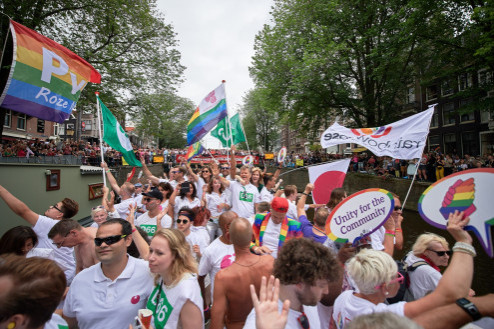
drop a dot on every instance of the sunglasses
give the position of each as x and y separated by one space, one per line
109 240
303 321
398 208
173 172
205 171
55 207
442 253
180 221
225 168
97 207
148 199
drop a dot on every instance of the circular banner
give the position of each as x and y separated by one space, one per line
282 155
470 191
248 160
359 215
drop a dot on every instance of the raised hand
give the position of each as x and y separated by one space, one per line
266 306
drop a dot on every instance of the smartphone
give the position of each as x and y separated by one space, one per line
185 188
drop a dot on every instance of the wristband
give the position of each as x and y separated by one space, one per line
107 170
398 230
305 193
389 232
470 308
206 309
134 229
465 248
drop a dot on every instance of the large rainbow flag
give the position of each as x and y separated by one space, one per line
46 79
210 111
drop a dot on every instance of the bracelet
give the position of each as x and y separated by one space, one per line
305 193
107 170
134 229
398 230
206 309
465 248
389 232
470 308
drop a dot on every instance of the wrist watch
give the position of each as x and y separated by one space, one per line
470 308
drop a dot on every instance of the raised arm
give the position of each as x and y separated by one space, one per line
216 174
233 163
155 180
301 202
141 244
111 179
389 238
190 173
18 207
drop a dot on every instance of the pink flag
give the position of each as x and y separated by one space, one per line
326 178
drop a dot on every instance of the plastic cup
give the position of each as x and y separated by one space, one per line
145 316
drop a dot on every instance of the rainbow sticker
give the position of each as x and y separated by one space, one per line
248 160
282 155
459 197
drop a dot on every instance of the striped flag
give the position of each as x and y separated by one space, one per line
46 79
210 111
193 150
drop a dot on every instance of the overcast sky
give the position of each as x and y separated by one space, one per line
216 42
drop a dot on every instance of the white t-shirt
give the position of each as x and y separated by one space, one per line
213 200
265 195
377 238
292 321
172 299
243 198
123 207
423 279
196 238
173 183
56 322
215 257
199 185
148 224
179 203
97 302
271 237
348 306
292 210
63 256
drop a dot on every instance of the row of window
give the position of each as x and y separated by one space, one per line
447 87
449 114
468 143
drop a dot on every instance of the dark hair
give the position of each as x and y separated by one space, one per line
290 189
336 196
63 228
38 287
194 191
186 211
267 177
14 240
305 261
263 206
69 208
126 227
168 189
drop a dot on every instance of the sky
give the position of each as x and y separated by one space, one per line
216 40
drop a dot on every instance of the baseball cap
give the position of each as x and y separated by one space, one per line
154 193
279 204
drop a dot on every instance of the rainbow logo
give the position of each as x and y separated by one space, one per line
46 78
459 197
373 132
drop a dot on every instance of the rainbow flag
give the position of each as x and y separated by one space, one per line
210 111
46 79
193 150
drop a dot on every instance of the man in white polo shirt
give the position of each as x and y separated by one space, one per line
66 208
109 294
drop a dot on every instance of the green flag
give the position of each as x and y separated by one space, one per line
223 133
115 136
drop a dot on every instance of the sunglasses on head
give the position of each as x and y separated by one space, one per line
442 253
180 221
109 240
98 207
397 208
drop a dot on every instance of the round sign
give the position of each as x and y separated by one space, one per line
248 160
359 215
469 191
282 155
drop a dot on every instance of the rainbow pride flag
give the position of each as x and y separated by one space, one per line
210 111
46 79
193 150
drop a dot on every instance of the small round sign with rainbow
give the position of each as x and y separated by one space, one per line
470 191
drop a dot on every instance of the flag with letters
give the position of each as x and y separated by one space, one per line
45 79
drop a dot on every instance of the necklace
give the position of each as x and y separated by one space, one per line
319 230
257 261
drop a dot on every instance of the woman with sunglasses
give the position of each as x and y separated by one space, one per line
197 241
200 180
184 195
217 202
376 276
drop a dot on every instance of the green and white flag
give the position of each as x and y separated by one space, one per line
222 132
115 136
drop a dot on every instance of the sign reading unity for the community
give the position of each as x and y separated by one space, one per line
404 139
46 79
470 191
359 215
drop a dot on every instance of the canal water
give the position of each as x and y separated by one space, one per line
413 225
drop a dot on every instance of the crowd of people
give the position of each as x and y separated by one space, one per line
231 248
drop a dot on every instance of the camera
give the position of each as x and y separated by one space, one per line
185 188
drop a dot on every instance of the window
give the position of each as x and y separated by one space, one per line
450 143
447 87
89 125
40 126
449 114
484 116
435 118
410 95
434 142
21 121
485 77
8 119
52 179
466 117
430 93
464 81
469 143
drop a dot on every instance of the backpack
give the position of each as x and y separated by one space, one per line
403 293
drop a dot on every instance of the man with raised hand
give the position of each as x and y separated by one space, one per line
155 217
42 224
126 192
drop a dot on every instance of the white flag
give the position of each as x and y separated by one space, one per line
404 139
326 178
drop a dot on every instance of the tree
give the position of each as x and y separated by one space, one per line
261 125
165 116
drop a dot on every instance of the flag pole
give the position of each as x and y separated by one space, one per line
228 116
98 110
214 159
245 135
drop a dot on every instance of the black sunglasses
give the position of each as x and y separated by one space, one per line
109 239
398 208
180 221
147 199
303 321
224 168
442 253
55 206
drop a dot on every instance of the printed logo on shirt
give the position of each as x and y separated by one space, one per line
227 261
162 311
135 299
247 197
149 229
